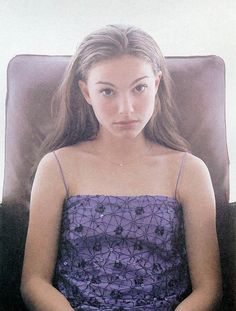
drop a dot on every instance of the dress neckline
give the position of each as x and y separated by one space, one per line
141 196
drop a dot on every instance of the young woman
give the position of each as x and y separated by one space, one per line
122 217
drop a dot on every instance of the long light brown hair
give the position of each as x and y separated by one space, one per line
75 120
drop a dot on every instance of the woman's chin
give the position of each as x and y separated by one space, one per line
127 134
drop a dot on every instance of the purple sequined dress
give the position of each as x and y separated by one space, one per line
122 253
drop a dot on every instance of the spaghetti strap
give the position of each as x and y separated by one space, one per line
179 172
62 175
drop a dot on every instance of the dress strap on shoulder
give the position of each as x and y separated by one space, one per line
182 161
62 174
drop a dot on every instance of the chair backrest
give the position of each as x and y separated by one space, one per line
199 92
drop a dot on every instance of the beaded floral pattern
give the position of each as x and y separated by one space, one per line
122 253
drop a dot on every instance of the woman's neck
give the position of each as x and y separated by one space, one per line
121 149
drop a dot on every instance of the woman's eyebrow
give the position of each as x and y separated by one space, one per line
108 83
111 84
135 81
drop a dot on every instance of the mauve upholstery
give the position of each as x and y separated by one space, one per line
199 92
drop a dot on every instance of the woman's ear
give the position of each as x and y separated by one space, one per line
158 80
84 90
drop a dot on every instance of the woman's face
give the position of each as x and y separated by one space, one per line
122 93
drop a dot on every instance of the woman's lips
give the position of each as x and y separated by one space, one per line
126 123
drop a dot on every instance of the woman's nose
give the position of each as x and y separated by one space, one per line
125 105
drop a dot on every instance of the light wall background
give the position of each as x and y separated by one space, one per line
184 27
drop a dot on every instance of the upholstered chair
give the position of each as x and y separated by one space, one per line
199 93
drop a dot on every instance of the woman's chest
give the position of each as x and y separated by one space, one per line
114 180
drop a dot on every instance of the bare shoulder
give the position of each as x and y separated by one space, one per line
158 150
47 165
48 178
68 153
168 156
194 166
195 181
50 161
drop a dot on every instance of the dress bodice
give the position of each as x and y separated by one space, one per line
122 253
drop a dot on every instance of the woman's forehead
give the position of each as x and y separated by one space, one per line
124 67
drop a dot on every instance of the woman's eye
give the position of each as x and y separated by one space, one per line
107 92
140 88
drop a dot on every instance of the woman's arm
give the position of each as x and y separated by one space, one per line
41 245
196 195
